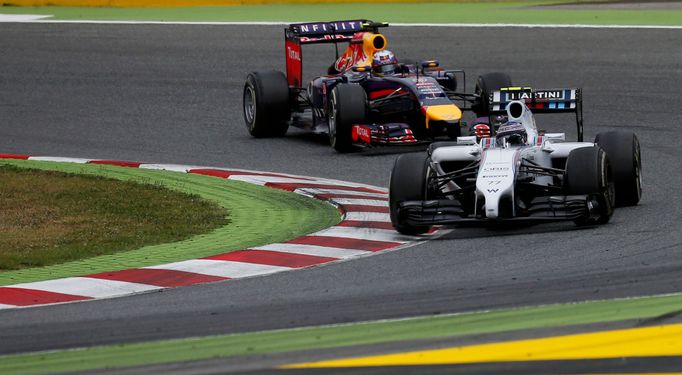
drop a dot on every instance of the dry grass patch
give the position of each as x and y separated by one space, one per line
51 217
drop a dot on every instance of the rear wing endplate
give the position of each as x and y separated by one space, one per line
541 101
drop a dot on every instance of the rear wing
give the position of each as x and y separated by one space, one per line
298 34
541 101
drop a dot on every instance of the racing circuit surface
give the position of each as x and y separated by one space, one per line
172 94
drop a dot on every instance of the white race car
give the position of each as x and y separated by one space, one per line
518 173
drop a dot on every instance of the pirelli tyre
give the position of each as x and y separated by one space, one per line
266 104
485 85
588 172
408 183
347 106
624 153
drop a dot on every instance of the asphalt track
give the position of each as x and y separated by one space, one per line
172 94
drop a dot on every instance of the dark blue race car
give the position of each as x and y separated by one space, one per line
367 98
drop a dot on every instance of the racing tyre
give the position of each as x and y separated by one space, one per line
623 150
266 104
408 183
347 106
588 172
485 85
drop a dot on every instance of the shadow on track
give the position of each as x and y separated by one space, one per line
472 231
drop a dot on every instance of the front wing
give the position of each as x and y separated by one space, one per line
385 134
447 211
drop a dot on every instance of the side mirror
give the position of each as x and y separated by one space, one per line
430 64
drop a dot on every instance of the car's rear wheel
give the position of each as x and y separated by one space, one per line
624 153
485 85
408 183
588 173
266 104
347 106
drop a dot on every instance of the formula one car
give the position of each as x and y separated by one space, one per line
518 174
355 105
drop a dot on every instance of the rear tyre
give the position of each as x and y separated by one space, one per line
408 183
347 106
266 104
624 153
588 173
485 85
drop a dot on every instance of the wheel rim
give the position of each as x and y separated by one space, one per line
250 105
332 120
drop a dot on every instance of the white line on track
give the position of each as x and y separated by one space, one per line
320 251
221 268
363 202
170 167
60 160
262 180
283 23
368 216
22 17
309 191
370 234
87 287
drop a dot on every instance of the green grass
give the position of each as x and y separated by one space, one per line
258 216
483 12
51 217
116 356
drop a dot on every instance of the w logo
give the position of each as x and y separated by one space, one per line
493 190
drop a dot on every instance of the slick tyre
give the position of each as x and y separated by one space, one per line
266 104
408 183
347 106
624 153
588 172
485 85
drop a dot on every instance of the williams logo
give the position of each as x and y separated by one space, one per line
493 190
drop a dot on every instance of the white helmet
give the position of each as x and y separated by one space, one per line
384 62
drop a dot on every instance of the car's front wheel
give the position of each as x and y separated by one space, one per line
347 107
588 172
624 153
408 183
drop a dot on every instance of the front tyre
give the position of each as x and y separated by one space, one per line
266 104
347 107
588 172
408 183
624 153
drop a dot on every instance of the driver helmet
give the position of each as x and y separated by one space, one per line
513 132
384 62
